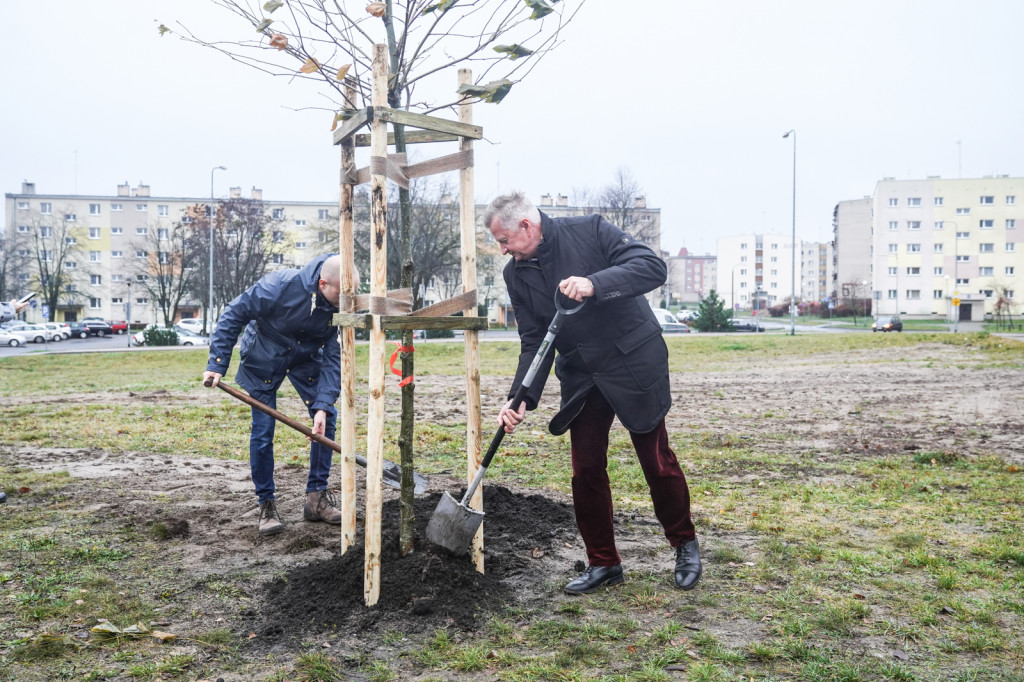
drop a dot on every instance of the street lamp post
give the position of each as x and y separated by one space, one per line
865 300
792 296
208 318
128 314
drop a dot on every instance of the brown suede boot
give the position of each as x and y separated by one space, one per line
320 506
270 520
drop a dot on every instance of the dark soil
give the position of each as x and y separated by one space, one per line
426 589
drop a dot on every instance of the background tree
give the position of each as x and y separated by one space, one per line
619 204
244 245
170 269
56 257
14 266
712 315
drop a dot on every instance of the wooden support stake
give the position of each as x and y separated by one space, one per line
467 224
378 347
347 417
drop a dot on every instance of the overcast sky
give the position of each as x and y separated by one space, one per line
692 98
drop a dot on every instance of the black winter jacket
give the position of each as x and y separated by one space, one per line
614 342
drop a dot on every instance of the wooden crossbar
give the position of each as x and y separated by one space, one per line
365 116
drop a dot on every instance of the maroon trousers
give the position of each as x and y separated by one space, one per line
591 490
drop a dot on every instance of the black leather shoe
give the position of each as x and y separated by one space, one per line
688 567
594 578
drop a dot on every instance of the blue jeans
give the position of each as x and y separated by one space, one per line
261 450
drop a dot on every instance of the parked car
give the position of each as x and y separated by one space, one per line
119 326
11 338
687 315
14 324
62 327
193 324
668 322
188 338
746 326
887 323
90 328
37 333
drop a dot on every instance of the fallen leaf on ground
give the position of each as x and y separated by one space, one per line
163 636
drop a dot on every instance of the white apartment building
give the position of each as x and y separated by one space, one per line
815 270
755 266
937 241
851 250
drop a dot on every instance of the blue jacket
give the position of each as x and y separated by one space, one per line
288 332
614 342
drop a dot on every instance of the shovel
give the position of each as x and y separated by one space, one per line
392 473
454 524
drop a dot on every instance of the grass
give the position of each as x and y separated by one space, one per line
917 551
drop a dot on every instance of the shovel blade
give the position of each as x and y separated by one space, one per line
453 525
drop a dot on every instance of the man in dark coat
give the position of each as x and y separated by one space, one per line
612 362
287 319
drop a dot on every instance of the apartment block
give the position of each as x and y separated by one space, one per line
690 276
755 266
815 270
851 250
947 247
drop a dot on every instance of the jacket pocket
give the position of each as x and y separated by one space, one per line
645 354
263 359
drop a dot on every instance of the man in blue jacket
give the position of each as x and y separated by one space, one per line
612 362
8 311
287 319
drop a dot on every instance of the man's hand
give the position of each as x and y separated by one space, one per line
576 288
18 305
211 379
319 422
510 418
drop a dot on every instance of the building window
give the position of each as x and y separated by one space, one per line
962 281
1009 293
95 279
913 201
278 237
743 285
938 201
963 259
913 248
937 270
894 225
139 253
1011 223
938 294
162 210
117 230
24 229
986 248
743 259
987 200
300 245
985 272
141 208
893 201
963 211
71 265
95 303
142 300
913 224
22 205
743 247
938 225
774 259
94 209
186 220
891 294
1009 246
894 248
277 258
321 237
94 233
914 271
117 278
70 217
94 256
985 224
893 270
1009 270
775 246
300 223
117 254
277 214
1011 199
70 240
162 233
937 248
117 300
323 214
913 294
963 235
141 278
987 293
164 257
141 231
117 207
45 208
45 231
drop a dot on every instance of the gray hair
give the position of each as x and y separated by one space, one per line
510 209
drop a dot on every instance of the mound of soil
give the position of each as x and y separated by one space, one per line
428 588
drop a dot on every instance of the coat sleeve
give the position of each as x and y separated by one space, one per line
531 334
634 269
328 387
257 301
6 311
